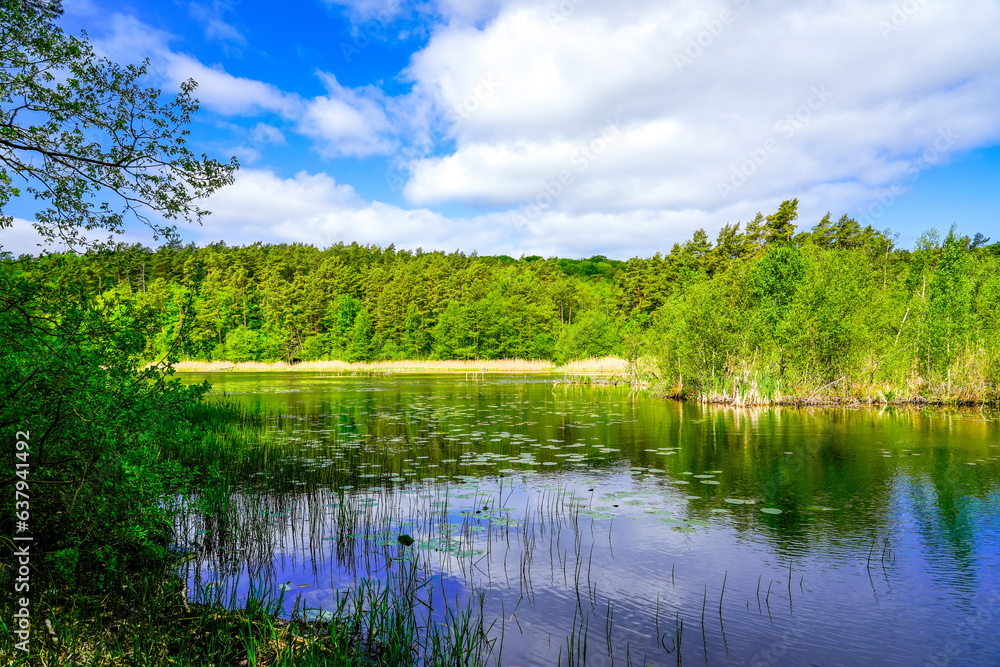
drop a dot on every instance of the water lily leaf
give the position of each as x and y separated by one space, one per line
735 501
709 481
770 510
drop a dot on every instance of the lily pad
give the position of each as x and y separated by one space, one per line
709 481
770 510
735 501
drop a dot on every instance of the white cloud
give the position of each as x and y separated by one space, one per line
721 105
347 121
448 11
211 15
130 40
262 133
20 238
314 208
716 109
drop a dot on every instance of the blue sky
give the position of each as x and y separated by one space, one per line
572 127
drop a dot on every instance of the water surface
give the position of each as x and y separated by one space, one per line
605 519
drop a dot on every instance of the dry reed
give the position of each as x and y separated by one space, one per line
606 365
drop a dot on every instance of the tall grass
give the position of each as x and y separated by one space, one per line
494 365
592 366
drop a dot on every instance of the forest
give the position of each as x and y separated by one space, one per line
771 307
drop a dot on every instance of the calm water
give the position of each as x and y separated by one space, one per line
776 536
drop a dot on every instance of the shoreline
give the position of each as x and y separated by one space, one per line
607 366
604 371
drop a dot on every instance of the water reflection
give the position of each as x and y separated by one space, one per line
599 520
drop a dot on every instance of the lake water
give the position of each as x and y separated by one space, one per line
604 519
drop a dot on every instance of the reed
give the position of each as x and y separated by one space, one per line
378 367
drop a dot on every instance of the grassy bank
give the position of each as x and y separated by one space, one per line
966 385
144 613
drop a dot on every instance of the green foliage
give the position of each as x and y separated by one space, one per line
77 126
949 306
364 344
593 334
242 344
95 421
779 225
773 283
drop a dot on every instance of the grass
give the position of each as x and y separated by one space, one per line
153 619
970 380
153 623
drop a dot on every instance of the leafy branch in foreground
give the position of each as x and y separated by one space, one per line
75 127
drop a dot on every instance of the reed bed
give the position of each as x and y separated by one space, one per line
444 365
601 366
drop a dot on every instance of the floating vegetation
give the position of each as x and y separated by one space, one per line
514 516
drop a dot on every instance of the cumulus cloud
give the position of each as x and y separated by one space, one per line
347 121
720 105
584 126
314 208
130 40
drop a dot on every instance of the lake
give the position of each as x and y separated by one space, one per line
599 525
